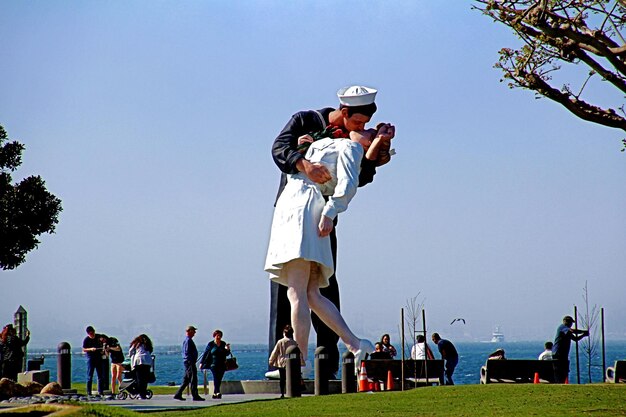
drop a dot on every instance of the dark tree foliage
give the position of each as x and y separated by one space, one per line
27 209
585 33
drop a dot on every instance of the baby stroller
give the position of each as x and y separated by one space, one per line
128 387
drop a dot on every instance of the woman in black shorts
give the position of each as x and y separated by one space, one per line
116 355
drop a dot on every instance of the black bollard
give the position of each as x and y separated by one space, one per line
294 375
321 371
64 365
348 376
105 369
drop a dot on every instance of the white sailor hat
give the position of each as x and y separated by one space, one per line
356 95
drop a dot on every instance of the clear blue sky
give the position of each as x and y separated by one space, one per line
153 122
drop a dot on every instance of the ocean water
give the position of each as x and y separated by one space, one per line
252 361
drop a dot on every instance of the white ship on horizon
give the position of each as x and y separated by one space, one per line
497 336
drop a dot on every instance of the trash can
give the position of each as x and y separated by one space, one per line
34 364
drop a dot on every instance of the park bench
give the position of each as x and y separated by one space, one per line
415 370
521 371
616 373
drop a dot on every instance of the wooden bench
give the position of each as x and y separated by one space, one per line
521 371
414 370
616 373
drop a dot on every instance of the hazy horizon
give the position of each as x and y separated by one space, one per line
153 122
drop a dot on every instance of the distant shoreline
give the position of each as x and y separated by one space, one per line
312 345
262 346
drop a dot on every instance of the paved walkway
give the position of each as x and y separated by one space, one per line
166 402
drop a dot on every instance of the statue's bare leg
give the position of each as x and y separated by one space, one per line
298 272
331 316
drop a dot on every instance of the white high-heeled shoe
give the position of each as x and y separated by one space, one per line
275 374
365 348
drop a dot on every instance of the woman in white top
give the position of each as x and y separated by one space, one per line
140 354
420 349
278 357
299 254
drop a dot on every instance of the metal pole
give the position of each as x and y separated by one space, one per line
577 362
425 345
603 347
105 369
402 367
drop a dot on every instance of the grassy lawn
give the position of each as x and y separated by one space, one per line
468 400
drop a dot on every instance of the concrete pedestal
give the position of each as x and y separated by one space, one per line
42 377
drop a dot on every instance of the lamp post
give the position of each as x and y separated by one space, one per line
20 323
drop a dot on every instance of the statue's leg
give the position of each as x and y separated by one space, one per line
325 336
280 314
330 315
297 272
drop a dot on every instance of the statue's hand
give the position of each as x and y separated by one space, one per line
316 172
305 139
325 226
386 131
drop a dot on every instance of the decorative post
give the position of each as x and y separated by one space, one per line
20 322
321 371
293 372
348 377
64 365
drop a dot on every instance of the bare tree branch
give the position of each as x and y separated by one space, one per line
585 111
575 33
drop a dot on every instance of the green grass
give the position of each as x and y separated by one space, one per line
602 400
97 410
469 400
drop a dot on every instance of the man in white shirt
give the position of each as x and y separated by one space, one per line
546 355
